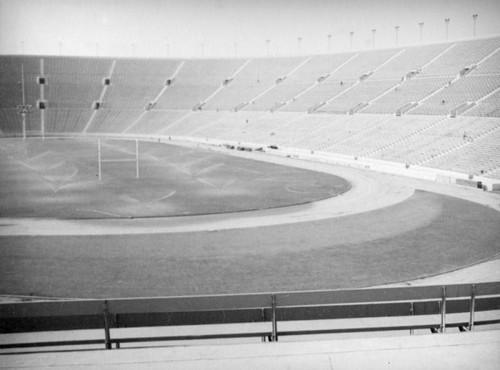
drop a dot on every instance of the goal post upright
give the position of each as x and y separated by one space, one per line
23 109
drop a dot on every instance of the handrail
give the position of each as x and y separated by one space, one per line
252 308
243 301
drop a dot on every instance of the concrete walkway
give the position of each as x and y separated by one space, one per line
476 350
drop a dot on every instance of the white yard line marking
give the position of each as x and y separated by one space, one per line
296 191
205 182
102 212
210 168
166 196
230 182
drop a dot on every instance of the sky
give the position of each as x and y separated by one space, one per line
234 28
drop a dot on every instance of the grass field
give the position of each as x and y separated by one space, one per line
59 179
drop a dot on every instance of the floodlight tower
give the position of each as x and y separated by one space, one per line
351 34
299 40
396 29
373 37
329 42
421 24
474 17
447 22
24 108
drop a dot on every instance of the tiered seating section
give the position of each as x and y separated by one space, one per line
256 77
11 95
395 104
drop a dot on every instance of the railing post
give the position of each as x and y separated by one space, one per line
107 337
274 335
442 328
411 314
472 306
263 316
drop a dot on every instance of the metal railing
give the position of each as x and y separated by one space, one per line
401 303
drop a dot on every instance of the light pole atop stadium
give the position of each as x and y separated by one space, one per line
351 34
24 108
373 37
329 37
396 29
268 42
421 24
299 40
474 17
447 22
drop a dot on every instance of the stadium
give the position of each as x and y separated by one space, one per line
293 192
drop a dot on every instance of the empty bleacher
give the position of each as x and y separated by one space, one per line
257 127
253 79
192 123
11 91
277 96
113 120
10 81
409 60
11 122
74 82
363 92
196 81
66 120
134 82
479 153
154 121
373 142
489 66
437 139
489 107
465 89
365 62
316 69
412 90
318 95
266 100
461 55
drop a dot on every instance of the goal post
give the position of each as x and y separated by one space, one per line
100 160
